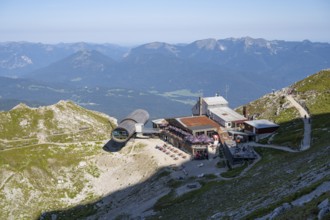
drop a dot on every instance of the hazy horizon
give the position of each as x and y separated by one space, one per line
131 23
139 44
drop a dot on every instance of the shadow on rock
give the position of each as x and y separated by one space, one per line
113 146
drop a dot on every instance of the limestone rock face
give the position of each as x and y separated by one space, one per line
324 208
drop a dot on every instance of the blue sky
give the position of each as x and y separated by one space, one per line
129 22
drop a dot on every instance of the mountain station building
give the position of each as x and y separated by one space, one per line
197 135
213 126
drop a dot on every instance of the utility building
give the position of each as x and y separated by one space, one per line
204 105
260 126
217 109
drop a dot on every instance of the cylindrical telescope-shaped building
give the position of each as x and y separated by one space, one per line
127 126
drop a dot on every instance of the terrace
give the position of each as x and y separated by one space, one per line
237 153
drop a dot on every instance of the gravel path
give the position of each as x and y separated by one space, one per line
283 148
307 126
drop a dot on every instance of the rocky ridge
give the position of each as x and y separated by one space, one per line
48 157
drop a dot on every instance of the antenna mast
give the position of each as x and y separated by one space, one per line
201 102
226 91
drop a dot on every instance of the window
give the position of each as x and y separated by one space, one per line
199 133
210 133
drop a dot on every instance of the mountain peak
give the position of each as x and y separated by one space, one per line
64 103
160 46
21 106
78 68
62 116
88 54
156 45
154 48
82 57
207 44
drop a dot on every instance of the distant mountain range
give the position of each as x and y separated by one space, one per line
241 69
19 58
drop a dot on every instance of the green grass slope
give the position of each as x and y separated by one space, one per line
60 123
46 157
314 93
275 107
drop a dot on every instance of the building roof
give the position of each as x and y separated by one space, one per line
227 114
159 121
197 122
216 100
128 125
139 116
259 124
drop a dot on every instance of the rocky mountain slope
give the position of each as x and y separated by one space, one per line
313 93
56 158
277 108
85 66
48 157
58 122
